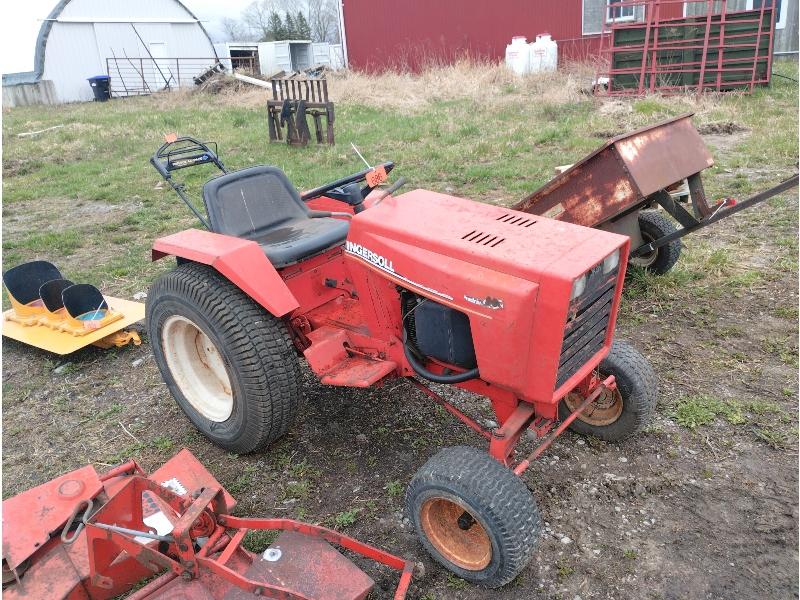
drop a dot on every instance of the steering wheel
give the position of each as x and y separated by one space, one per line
343 189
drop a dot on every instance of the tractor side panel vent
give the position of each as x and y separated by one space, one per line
511 219
483 238
585 332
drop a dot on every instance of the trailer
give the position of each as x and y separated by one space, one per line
614 187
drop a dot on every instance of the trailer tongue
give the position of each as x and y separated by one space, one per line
609 189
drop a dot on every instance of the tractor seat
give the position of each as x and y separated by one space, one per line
260 204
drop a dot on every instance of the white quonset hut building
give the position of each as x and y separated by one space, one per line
143 46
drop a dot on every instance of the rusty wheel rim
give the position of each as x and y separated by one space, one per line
456 534
603 411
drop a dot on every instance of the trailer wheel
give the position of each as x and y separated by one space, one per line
227 362
473 515
653 226
624 412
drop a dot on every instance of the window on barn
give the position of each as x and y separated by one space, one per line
615 11
593 15
598 12
780 10
691 9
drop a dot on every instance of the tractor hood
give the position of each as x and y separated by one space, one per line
516 276
503 240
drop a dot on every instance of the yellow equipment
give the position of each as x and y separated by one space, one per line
54 314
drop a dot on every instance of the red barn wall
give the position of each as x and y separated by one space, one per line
385 34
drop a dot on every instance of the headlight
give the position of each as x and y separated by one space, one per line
611 262
578 287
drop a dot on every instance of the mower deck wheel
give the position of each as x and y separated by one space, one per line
654 225
625 411
473 515
229 364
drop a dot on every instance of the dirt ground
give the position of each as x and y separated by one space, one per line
703 509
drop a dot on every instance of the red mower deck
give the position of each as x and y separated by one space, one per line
94 537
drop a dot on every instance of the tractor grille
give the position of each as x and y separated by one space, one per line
587 323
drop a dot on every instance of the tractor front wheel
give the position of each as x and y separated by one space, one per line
619 413
228 363
474 516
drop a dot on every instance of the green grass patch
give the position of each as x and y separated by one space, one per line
295 490
696 411
777 438
258 540
649 107
395 489
346 518
765 418
784 348
63 242
456 583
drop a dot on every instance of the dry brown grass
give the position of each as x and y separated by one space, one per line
488 82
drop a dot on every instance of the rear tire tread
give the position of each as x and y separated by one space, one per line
258 342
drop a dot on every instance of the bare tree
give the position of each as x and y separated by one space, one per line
256 18
234 30
323 18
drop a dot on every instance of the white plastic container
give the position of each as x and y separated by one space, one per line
518 55
543 54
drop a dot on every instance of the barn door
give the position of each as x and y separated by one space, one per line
160 68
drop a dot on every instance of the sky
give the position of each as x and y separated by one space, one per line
21 22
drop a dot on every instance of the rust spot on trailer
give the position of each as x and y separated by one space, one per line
622 174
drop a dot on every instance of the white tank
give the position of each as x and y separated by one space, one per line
543 53
518 55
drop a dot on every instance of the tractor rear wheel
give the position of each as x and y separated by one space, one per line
228 363
625 411
653 225
473 515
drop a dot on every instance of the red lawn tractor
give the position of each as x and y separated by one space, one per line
366 286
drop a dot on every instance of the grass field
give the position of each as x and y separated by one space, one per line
93 174
720 329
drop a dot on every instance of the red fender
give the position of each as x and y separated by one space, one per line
241 261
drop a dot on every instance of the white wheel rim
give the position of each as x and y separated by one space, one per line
197 367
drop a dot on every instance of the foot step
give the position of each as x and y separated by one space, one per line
358 371
329 359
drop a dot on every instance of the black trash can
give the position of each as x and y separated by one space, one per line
101 86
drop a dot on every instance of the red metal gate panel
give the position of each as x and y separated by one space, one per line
715 49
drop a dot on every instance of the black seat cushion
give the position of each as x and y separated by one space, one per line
296 239
23 281
260 204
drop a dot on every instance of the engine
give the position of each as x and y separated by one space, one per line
437 331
